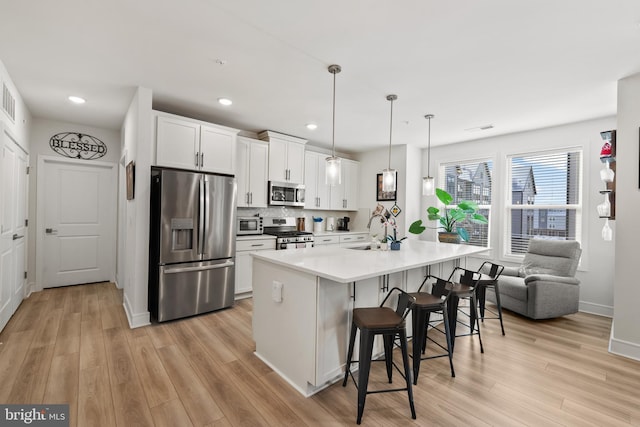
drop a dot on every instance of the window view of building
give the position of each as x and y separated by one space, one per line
545 197
471 181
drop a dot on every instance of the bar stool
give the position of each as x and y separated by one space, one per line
427 303
490 273
389 323
465 287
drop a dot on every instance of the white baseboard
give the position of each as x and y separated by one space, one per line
135 320
599 309
623 348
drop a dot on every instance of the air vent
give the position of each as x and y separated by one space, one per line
8 103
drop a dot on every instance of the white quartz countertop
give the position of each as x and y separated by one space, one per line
344 265
339 232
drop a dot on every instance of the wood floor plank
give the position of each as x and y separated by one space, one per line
130 405
170 414
62 384
200 406
68 338
154 379
95 404
32 376
14 350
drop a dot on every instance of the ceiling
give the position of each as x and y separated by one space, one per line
514 65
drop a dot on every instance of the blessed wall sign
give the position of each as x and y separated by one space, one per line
77 145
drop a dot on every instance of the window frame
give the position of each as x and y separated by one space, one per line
442 177
509 207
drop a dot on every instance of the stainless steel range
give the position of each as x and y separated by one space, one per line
287 235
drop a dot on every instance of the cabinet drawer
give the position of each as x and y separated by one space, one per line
255 245
353 238
326 240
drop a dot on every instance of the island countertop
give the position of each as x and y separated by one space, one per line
344 265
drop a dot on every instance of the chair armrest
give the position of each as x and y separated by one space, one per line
550 278
510 271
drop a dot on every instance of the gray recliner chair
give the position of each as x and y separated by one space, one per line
544 285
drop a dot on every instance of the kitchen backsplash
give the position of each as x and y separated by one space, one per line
358 218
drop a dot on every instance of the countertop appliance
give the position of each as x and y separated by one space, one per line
286 194
191 243
249 225
343 223
287 237
331 223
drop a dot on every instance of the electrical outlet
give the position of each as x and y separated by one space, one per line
276 291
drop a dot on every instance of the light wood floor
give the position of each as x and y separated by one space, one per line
72 345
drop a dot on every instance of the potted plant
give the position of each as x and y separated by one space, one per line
449 218
394 242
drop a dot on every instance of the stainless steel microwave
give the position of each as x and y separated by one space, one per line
286 194
248 225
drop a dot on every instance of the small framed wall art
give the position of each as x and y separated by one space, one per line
384 196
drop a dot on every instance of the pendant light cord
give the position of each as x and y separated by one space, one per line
333 133
429 149
391 98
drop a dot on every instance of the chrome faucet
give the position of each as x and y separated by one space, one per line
381 212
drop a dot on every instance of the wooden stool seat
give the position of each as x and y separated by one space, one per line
376 318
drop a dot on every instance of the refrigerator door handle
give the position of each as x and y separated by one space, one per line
207 201
208 267
201 218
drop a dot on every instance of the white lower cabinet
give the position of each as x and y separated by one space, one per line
349 239
324 239
244 262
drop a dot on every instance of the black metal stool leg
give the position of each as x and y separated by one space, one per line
476 320
352 339
388 354
447 333
499 305
407 370
419 337
366 349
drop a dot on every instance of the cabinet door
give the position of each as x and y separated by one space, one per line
311 180
334 324
278 160
258 167
295 162
242 171
244 275
337 191
351 171
177 143
217 150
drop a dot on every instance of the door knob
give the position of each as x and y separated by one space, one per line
16 237
51 231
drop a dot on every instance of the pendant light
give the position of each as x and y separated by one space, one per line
388 174
428 183
332 166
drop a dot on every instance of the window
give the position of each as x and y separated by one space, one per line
471 181
544 198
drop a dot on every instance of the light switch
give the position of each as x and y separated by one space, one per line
276 291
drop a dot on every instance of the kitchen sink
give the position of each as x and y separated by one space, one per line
361 248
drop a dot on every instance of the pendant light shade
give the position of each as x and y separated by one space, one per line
388 174
332 164
428 182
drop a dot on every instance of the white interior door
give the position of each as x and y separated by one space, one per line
76 221
13 215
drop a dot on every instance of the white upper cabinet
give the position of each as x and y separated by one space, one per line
345 196
191 144
286 157
316 189
251 174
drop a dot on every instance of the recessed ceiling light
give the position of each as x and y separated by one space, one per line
480 128
225 101
312 126
77 100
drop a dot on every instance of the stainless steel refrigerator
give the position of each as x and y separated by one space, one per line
191 243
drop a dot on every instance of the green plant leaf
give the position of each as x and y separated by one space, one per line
468 206
457 214
478 218
464 235
443 196
416 227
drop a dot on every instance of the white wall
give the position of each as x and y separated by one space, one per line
137 143
596 270
41 131
625 336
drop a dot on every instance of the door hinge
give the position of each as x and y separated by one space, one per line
26 222
25 274
27 170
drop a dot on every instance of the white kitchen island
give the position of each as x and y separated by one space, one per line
302 301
